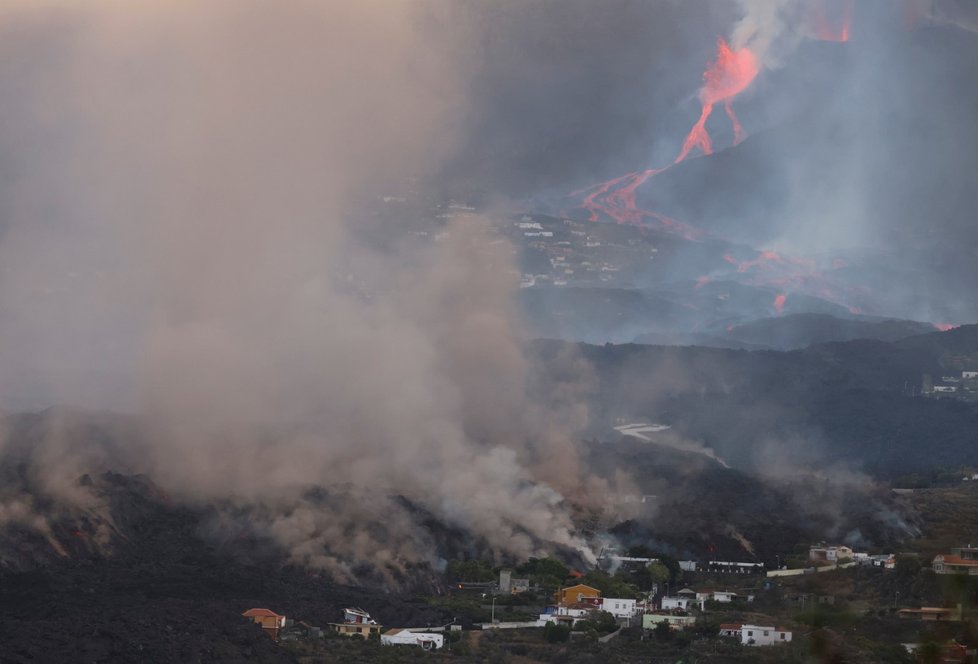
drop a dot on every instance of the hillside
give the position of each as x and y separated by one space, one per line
852 404
802 330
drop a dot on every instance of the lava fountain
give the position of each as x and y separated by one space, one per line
726 77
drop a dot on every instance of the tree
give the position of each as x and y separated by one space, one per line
610 586
602 623
658 572
555 633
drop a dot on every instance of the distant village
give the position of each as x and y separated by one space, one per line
578 608
963 386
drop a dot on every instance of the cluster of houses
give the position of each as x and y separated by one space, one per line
611 559
678 611
573 252
837 554
964 386
356 622
579 602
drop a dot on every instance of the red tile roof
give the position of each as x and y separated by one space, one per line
265 613
730 626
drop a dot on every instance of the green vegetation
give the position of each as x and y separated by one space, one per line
611 586
554 633
547 573
602 623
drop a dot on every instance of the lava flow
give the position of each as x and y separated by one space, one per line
726 77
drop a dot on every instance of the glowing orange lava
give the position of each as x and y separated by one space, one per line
944 327
731 72
724 79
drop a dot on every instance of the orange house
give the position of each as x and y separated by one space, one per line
576 594
270 621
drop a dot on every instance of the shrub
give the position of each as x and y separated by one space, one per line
554 633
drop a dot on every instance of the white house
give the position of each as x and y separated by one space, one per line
728 596
760 635
830 554
405 637
675 620
619 608
684 603
969 375
565 615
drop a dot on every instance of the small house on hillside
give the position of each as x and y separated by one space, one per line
962 560
829 554
269 621
576 594
619 607
677 620
406 637
760 635
931 614
509 585
356 622
565 615
684 603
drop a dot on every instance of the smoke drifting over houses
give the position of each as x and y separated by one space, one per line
182 239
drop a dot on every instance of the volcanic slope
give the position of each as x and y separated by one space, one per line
853 405
158 588
887 165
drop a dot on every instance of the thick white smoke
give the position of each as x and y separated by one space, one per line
181 239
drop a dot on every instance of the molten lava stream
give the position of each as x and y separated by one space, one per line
726 77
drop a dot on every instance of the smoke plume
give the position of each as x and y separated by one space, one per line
184 201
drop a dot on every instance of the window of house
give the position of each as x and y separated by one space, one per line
765 633
359 630
750 633
782 636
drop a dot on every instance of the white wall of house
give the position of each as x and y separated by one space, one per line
405 637
760 635
619 608
685 603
